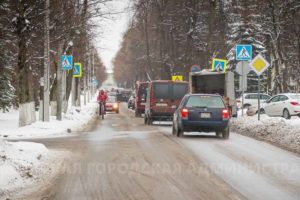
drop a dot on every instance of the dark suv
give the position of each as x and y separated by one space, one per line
201 113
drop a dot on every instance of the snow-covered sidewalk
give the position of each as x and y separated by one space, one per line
75 119
26 166
276 130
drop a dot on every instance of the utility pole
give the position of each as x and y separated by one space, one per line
46 65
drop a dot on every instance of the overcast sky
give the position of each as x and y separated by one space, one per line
112 29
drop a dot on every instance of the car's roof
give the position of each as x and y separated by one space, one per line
255 93
168 81
216 95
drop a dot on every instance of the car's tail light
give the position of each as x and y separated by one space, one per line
238 101
184 113
294 103
225 114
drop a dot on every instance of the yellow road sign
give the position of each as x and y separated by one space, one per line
177 78
219 65
259 64
77 70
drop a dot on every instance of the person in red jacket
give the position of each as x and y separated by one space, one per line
102 97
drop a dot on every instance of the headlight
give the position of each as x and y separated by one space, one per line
115 105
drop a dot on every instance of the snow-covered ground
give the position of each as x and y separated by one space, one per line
26 164
276 130
75 119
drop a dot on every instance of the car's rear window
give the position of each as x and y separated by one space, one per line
179 90
205 101
295 96
170 90
161 91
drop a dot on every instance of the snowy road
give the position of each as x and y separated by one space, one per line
124 159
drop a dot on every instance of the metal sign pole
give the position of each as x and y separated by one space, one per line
258 98
242 88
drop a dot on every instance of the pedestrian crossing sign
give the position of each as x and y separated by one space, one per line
243 52
219 65
77 72
177 78
66 62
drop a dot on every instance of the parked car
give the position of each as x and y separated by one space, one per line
140 98
201 113
131 102
162 99
112 104
284 105
251 99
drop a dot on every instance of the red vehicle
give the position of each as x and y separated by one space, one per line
140 98
112 104
163 98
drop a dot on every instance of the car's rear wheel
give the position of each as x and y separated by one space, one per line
179 132
173 130
149 121
262 111
145 119
225 133
286 114
137 113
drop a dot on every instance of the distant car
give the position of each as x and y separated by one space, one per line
163 97
131 101
140 98
201 113
251 99
112 104
285 105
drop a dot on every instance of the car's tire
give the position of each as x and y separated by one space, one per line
179 133
137 113
149 121
225 133
145 120
173 130
286 114
117 111
299 115
262 111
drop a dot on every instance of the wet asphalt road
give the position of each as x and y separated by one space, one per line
122 159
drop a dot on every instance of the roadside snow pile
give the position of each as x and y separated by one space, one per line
276 130
21 164
75 119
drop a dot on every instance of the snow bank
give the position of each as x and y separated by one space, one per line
75 119
21 164
276 130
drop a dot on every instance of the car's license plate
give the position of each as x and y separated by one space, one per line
205 115
143 104
161 104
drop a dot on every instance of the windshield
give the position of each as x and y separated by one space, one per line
111 99
205 101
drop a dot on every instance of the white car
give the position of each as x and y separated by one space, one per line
285 105
251 99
